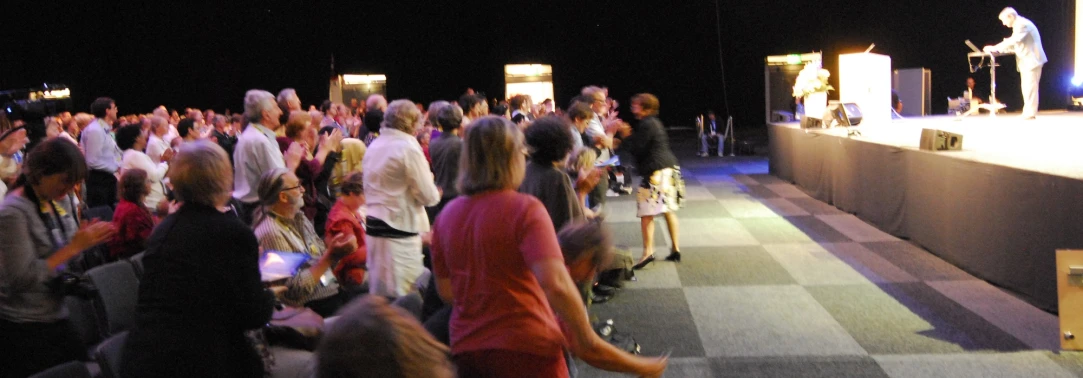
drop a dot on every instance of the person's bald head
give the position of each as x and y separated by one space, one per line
376 102
1008 16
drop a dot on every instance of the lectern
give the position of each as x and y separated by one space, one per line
865 79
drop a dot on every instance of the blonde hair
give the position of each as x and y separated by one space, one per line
492 157
581 159
353 152
201 173
83 119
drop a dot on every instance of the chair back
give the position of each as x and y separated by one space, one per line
118 293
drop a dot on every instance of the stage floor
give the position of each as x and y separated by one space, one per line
1048 144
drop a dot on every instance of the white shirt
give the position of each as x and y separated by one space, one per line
398 181
155 174
100 148
595 129
68 137
171 134
155 148
255 154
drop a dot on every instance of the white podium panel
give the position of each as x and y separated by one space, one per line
865 79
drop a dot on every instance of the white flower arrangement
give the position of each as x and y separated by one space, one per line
812 79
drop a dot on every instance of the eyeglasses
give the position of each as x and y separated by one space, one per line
293 187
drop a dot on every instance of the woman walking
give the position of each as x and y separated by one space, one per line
661 189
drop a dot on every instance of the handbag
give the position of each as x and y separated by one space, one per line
678 183
294 327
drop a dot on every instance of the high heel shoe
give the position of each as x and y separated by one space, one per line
674 256
644 263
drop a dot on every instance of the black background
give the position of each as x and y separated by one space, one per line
207 54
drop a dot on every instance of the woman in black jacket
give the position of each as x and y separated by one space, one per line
201 288
661 187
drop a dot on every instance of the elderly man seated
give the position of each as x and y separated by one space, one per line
281 226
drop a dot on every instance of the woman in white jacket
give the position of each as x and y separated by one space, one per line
132 141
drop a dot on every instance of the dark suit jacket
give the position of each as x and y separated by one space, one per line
200 291
649 146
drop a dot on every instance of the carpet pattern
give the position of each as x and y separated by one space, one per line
774 283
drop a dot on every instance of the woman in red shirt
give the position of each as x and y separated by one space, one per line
497 261
131 219
344 218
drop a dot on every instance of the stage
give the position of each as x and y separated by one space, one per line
998 209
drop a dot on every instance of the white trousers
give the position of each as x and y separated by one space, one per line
393 264
1028 81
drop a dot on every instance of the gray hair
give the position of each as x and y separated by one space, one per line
401 115
590 90
375 102
284 97
449 117
271 184
1009 11
434 107
156 121
256 101
201 173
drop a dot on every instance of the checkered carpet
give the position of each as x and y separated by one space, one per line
777 284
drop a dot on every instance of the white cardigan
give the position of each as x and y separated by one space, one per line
155 174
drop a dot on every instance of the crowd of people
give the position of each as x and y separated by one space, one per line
445 241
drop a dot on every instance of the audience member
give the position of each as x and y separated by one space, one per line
548 142
70 130
398 186
201 288
515 262
521 109
331 114
375 107
224 134
257 152
288 102
131 140
587 246
316 165
131 220
445 152
158 142
346 219
580 114
474 107
188 129
281 226
580 166
374 339
10 145
102 154
353 153
39 232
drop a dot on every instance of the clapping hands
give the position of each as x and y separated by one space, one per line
341 244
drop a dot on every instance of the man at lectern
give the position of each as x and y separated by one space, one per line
1026 44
